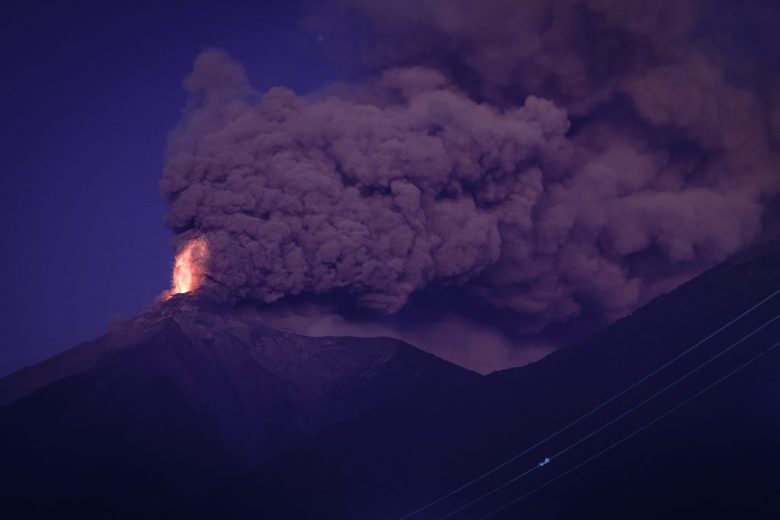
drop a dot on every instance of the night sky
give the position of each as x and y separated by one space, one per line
488 183
90 91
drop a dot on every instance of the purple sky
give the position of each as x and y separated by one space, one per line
511 174
89 94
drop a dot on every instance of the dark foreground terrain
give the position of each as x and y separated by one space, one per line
203 411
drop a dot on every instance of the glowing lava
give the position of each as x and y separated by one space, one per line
188 271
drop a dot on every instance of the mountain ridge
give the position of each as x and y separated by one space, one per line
205 411
188 391
491 420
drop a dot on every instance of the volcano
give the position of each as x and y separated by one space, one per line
197 409
170 401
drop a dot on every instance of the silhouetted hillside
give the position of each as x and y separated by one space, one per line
181 396
717 456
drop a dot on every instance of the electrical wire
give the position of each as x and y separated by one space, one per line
630 435
612 421
589 413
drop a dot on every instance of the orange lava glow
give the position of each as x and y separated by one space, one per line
188 270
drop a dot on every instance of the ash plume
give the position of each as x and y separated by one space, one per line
548 158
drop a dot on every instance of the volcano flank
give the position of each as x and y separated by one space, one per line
201 409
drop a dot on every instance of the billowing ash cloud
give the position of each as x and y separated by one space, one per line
546 157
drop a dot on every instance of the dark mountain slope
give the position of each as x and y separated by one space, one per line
718 454
175 399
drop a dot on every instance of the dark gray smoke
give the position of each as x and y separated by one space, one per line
544 157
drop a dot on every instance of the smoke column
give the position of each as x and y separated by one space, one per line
542 158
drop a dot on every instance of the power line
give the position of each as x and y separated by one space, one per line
612 421
630 435
589 413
